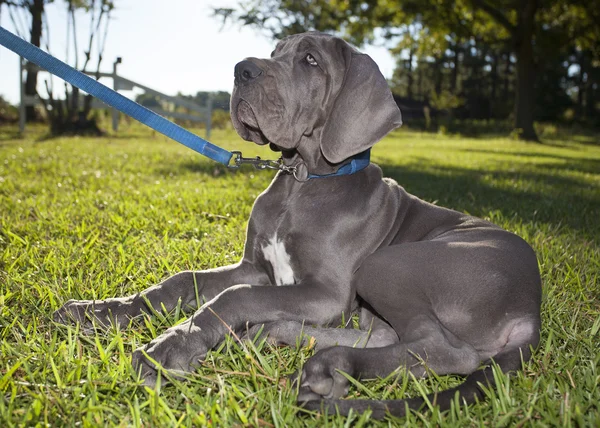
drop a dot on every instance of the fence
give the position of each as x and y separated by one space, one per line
204 114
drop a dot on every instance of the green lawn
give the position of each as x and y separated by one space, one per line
96 218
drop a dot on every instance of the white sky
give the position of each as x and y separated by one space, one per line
169 45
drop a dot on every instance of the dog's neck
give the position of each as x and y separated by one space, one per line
309 162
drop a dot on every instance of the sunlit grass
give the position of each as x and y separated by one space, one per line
96 218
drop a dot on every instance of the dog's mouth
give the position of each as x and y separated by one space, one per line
285 152
246 115
248 128
247 125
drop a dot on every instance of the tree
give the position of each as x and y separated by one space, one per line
8 112
521 30
493 39
579 22
280 18
220 99
69 115
35 8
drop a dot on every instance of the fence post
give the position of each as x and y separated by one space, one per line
115 112
22 107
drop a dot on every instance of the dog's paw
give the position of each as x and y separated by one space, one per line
173 354
92 314
321 377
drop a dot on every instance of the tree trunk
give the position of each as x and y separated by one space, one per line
438 76
454 81
506 77
590 99
494 84
409 72
581 86
37 10
525 93
421 96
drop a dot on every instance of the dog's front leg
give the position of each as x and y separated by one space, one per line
182 347
184 288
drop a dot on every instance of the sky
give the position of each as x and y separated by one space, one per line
168 45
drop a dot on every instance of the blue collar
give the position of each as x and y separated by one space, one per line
358 163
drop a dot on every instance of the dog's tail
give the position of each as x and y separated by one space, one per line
469 391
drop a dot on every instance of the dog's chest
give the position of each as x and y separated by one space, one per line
275 253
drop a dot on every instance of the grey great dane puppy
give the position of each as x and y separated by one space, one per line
436 289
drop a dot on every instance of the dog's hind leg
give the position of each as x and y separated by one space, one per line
453 303
375 333
436 349
322 383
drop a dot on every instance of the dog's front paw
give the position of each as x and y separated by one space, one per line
91 314
175 353
322 378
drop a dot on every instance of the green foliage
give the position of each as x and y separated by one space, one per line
96 218
220 105
445 101
470 48
221 119
148 100
8 112
220 99
280 18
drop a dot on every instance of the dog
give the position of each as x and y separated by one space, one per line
435 289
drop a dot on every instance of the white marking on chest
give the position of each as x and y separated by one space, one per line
274 252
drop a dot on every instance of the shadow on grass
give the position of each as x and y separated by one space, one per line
213 169
588 137
535 197
540 195
537 194
583 165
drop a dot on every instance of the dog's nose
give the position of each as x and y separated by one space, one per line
246 71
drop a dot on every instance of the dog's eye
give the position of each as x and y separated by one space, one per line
311 60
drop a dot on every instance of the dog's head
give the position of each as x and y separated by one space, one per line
317 97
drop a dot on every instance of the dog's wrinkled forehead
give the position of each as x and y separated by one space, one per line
312 42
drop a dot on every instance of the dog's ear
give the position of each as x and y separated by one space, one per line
363 112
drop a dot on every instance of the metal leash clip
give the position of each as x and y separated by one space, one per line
259 163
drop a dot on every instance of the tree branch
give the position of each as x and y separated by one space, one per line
496 14
10 3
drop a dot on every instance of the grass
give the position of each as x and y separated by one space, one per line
96 218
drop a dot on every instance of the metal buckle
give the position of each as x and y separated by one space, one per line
258 163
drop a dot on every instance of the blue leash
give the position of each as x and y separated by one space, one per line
112 98
140 113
